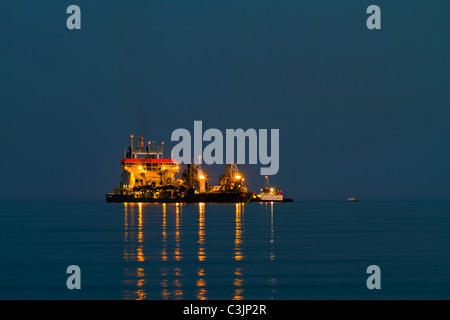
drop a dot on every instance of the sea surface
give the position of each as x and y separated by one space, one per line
264 251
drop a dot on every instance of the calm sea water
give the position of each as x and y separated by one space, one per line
300 250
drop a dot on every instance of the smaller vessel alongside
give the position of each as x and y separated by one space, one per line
271 194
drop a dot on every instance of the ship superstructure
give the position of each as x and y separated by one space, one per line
143 168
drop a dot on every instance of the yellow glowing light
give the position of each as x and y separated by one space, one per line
140 167
201 177
177 167
271 189
164 168
238 177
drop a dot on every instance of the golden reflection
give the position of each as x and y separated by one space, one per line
165 294
201 272
140 237
238 238
164 234
238 284
171 288
177 251
201 284
201 232
131 237
125 236
141 294
178 283
140 274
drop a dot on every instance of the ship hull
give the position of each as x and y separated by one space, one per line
272 197
221 197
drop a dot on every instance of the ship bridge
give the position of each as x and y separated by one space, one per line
147 167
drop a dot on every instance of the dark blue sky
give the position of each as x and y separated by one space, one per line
361 113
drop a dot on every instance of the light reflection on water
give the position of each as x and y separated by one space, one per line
179 276
238 253
302 250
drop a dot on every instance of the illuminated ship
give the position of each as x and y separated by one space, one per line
148 177
270 193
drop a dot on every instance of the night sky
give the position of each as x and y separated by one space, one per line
363 113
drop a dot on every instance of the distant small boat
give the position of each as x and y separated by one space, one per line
352 200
